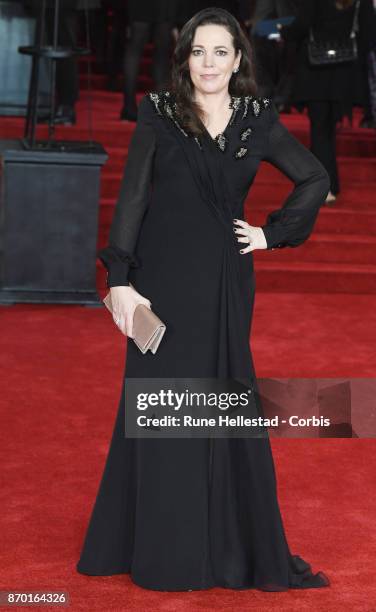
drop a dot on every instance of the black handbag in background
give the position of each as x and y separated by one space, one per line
327 52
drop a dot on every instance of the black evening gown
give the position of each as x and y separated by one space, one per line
194 513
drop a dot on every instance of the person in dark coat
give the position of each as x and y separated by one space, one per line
145 18
115 41
275 62
329 91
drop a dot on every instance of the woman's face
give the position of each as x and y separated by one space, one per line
212 59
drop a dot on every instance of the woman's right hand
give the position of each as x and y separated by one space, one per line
124 300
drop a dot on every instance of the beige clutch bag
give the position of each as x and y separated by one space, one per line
148 329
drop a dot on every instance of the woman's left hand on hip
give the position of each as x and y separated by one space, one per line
252 236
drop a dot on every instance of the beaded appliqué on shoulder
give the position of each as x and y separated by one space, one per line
255 106
166 106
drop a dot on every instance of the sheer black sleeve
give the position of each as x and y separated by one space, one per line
132 201
293 223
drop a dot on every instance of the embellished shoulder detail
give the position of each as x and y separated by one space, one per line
248 104
255 105
165 105
251 106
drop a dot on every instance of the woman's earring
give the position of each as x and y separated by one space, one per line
236 69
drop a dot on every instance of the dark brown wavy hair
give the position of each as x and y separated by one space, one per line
241 83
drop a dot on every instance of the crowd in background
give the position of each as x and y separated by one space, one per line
120 29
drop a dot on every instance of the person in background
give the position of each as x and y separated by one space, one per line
116 25
146 17
275 61
329 92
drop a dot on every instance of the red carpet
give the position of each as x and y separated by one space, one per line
61 369
59 401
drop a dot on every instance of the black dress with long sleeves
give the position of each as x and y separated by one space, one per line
192 513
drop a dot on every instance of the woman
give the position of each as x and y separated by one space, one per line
330 91
184 514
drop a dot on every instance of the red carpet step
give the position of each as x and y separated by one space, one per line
315 277
328 248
